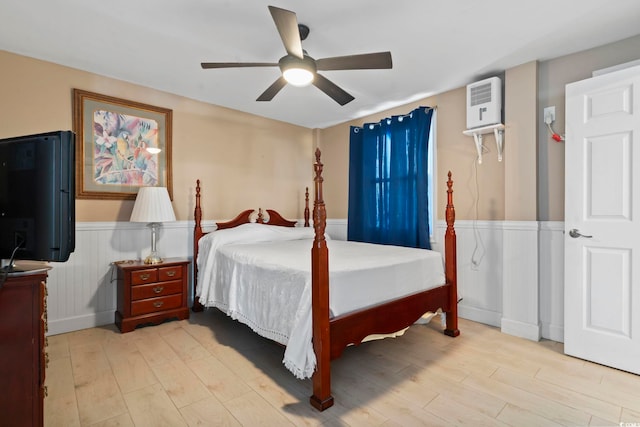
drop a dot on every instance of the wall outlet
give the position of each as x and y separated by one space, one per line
549 115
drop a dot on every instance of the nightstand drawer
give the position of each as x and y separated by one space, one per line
144 276
158 289
153 305
170 273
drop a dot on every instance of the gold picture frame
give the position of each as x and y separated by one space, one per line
121 146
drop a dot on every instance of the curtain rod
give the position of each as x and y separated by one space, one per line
371 125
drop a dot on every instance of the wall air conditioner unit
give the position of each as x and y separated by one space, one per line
484 103
484 113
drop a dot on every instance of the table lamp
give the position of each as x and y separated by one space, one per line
152 206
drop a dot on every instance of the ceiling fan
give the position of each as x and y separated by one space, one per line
299 69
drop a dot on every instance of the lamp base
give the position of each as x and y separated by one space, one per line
153 258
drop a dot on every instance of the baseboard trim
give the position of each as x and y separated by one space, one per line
553 332
80 322
479 315
520 329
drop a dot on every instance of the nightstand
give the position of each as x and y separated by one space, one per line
151 293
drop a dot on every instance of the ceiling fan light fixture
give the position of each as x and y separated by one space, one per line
298 76
296 71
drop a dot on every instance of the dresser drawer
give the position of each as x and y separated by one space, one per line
152 305
158 289
139 277
170 273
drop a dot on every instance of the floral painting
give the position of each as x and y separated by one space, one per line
120 146
121 149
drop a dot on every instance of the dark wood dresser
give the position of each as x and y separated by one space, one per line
151 293
23 324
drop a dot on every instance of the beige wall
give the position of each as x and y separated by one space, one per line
553 76
243 161
520 141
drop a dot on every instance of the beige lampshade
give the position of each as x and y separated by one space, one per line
152 205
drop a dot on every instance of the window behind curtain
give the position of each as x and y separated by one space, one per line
389 179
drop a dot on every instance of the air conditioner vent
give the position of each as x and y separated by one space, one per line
480 94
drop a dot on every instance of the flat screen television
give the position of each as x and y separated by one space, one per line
37 197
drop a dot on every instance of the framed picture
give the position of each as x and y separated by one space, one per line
120 146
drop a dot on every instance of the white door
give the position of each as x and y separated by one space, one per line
602 220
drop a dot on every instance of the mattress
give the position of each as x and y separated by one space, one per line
261 276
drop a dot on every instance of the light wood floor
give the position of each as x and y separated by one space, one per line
211 370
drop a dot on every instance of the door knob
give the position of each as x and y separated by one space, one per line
575 233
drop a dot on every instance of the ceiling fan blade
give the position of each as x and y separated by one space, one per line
272 90
236 64
287 25
331 89
366 61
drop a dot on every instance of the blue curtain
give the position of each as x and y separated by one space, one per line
388 192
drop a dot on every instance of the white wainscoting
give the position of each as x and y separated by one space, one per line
511 275
480 254
82 291
551 279
520 306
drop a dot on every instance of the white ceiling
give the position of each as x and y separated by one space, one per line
436 45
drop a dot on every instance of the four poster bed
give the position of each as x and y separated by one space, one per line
258 272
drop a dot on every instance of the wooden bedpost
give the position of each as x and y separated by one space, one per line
306 207
451 274
197 234
321 398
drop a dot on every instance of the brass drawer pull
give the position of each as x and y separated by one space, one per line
171 273
158 289
145 276
158 304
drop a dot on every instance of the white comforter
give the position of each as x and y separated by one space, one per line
261 276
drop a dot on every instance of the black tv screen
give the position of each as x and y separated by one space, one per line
37 197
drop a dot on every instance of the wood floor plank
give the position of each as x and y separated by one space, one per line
469 397
588 378
252 410
580 401
99 399
222 382
122 420
156 350
131 371
180 383
290 395
88 361
515 416
455 413
151 406
375 395
97 391
548 408
629 416
208 412
61 406
184 345
57 346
